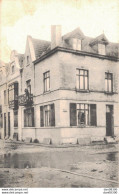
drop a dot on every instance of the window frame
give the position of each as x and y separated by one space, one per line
107 79
47 115
89 121
101 49
46 77
84 75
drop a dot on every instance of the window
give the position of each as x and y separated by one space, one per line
101 49
46 77
12 68
47 115
28 61
108 82
5 97
82 79
13 92
28 85
82 114
29 117
15 118
76 44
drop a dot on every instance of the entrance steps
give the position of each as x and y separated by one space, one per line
110 139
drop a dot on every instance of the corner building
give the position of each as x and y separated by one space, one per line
69 88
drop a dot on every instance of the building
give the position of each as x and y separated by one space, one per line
68 89
10 86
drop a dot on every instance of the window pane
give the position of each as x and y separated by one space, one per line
78 44
86 117
81 72
82 117
86 106
110 85
82 106
105 84
81 82
86 83
77 82
105 75
48 84
78 106
86 72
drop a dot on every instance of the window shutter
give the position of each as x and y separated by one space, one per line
73 119
41 117
52 116
32 113
93 121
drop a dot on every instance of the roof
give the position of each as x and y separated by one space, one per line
77 33
88 44
99 39
40 46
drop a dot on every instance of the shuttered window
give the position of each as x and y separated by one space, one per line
47 115
83 114
29 117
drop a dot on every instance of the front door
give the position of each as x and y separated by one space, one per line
8 124
4 124
109 120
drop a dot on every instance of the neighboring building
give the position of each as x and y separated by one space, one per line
9 90
68 89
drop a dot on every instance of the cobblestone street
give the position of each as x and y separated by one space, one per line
24 165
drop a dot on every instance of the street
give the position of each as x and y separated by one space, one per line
23 165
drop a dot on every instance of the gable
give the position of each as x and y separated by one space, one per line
99 40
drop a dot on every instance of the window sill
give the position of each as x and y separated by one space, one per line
83 91
84 126
47 92
109 93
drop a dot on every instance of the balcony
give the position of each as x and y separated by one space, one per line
13 104
25 100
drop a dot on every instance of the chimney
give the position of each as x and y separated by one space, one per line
56 36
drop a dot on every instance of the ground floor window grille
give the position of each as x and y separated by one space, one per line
29 117
15 118
82 114
47 115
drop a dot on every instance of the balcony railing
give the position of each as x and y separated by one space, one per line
13 104
25 100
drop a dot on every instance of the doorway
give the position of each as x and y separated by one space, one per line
109 120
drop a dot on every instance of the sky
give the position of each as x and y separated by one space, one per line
19 18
